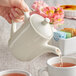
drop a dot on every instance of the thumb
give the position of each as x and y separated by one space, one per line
24 6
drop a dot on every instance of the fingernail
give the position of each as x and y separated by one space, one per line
11 16
16 9
12 9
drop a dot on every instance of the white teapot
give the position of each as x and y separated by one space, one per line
31 40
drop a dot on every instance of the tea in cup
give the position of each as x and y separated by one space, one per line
54 67
14 73
64 64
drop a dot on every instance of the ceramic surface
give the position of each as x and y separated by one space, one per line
59 71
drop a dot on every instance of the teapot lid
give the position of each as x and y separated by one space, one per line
41 25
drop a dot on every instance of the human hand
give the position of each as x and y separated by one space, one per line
13 10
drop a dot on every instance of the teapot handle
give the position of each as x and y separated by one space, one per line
13 28
14 24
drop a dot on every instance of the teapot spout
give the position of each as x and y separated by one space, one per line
53 49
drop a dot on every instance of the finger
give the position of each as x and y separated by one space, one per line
19 4
24 6
7 17
16 15
16 20
19 11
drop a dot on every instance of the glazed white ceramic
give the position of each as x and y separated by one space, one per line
59 71
2 73
70 13
31 40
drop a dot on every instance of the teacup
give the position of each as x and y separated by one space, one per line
59 71
14 72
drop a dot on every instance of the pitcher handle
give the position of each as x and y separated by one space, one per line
13 28
14 24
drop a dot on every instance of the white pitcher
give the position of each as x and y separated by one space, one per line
31 40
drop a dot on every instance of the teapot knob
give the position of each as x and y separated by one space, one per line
46 20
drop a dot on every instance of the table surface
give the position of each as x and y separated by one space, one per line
7 61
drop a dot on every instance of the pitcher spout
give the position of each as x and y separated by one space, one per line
53 49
